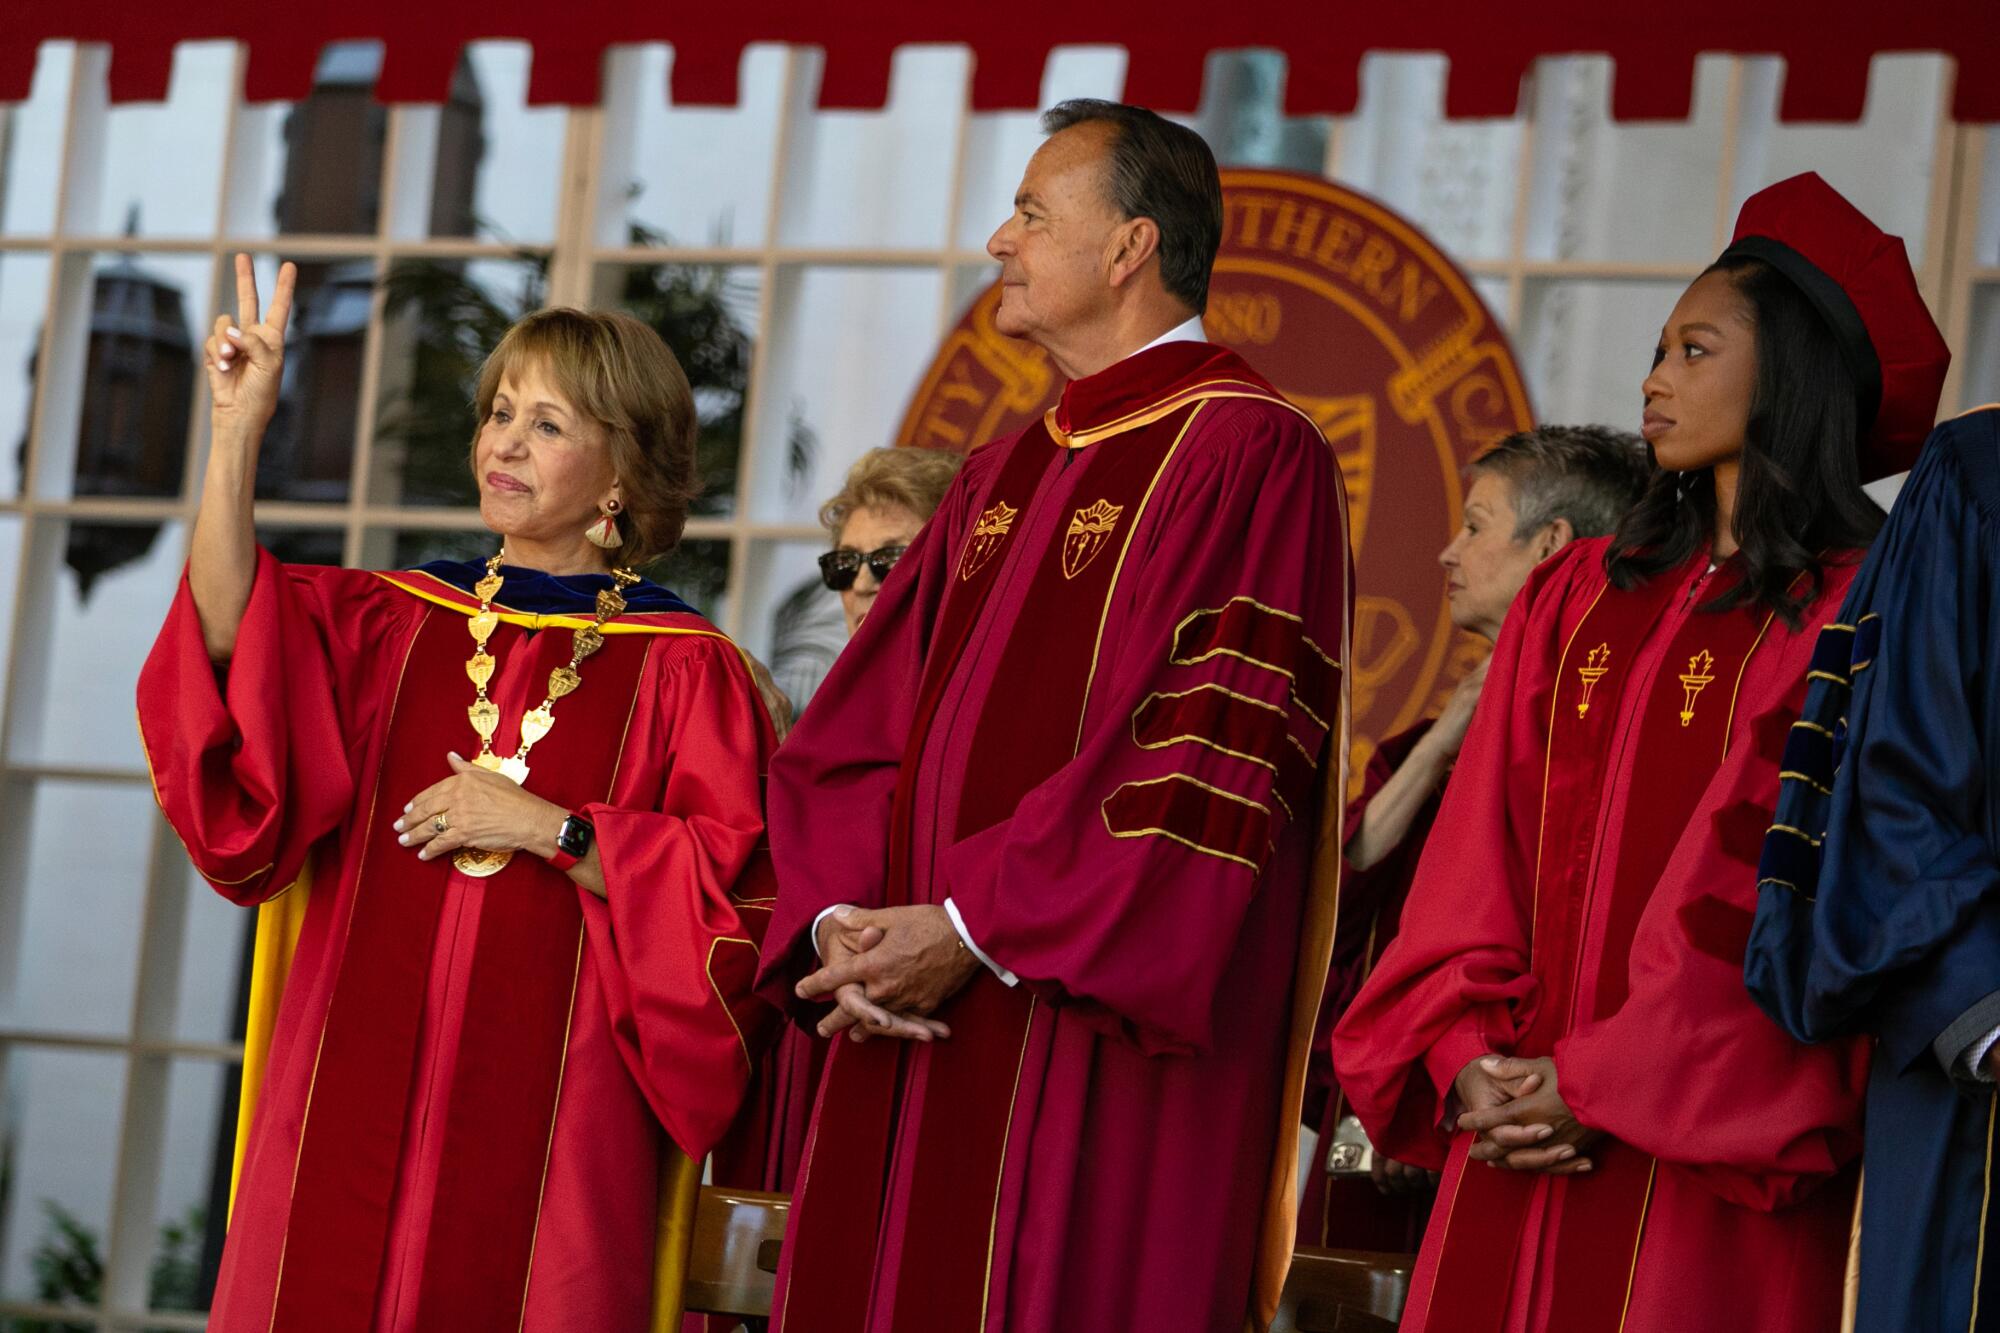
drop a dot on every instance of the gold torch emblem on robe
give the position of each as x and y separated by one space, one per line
1701 670
1089 532
1590 673
988 531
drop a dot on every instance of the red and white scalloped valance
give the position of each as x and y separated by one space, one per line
1826 44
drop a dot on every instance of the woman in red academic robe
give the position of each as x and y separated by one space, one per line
521 979
1635 1145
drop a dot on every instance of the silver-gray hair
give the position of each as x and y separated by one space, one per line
1589 475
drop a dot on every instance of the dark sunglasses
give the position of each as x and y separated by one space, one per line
839 567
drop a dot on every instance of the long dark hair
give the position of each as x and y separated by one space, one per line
1798 494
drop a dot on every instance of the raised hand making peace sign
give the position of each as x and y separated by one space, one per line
245 355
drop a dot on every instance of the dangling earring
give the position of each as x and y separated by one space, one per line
1682 487
603 534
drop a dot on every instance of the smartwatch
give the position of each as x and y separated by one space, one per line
573 841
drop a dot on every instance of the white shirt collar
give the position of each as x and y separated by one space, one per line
1188 331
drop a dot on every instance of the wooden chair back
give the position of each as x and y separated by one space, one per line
733 1270
1344 1291
733 1262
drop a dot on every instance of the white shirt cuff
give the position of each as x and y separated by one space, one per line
958 924
815 930
1973 1066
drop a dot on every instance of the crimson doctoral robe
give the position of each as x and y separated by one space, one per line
460 1123
1094 707
1587 894
1348 1212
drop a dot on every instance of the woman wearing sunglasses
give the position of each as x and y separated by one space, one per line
889 495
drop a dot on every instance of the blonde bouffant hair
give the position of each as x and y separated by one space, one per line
616 371
915 479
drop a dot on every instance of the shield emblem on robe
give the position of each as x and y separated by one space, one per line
987 533
1361 321
1089 532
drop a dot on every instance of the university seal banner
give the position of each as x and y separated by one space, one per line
1359 319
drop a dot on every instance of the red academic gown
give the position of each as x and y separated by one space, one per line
460 1125
1349 1213
1587 895
1093 707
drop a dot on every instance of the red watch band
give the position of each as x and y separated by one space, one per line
559 858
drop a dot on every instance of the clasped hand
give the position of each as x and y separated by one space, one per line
480 808
1519 1119
887 971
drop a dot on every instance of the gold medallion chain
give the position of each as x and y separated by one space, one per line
538 721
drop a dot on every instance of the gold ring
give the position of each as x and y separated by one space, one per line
440 824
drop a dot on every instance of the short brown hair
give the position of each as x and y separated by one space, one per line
616 371
915 479
1165 172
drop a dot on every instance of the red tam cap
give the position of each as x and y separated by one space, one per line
1858 277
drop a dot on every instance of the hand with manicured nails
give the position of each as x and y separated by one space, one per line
1534 1129
245 356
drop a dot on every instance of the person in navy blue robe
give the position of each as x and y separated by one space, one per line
1879 901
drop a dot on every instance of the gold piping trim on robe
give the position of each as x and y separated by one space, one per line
1117 570
279 920
1268 610
1548 757
569 1020
1780 883
1814 726
1850 1281
781 1300
1792 775
1000 1178
1146 416
1645 1208
1859 667
1104 811
1217 746
555 1110
708 970
1985 1212
1828 675
540 622
1796 833
1176 659
1277 1230
319 1048
146 753
1736 690
1450 1212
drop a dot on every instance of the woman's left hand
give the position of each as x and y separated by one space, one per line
482 809
1536 1131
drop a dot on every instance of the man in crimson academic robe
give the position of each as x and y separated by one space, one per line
1528 497
1633 1145
1046 836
